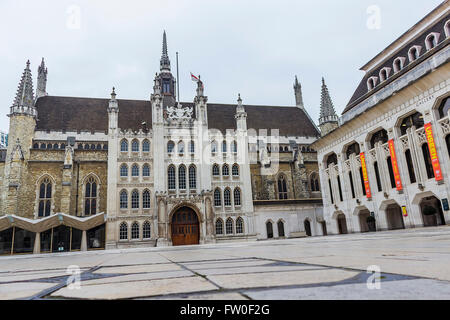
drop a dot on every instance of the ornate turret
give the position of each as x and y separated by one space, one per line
241 115
298 94
41 89
24 101
328 120
113 111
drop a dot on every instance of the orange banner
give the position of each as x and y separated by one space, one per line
398 180
433 152
362 157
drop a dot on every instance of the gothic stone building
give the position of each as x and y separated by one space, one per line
84 173
385 163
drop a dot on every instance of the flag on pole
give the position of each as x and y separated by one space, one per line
196 79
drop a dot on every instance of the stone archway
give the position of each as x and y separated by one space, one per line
342 224
394 217
431 211
185 227
364 223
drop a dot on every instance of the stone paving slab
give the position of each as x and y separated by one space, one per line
269 279
256 269
226 264
139 268
205 296
139 277
420 289
137 289
134 258
22 290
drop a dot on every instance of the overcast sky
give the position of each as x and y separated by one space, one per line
252 47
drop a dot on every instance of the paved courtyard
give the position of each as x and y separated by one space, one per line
414 265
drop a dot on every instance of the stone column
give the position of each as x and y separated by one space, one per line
37 243
84 241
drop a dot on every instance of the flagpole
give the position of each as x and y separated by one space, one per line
178 81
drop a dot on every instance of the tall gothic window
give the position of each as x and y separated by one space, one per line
427 160
135 146
123 231
235 170
377 176
415 120
182 177
219 226
363 186
135 199
146 230
280 226
213 147
314 183
352 149
217 198
282 188
331 191
124 170
224 146
229 226
340 188
181 147
237 197
331 160
409 163
146 199
352 187
135 231
391 172
239 225
170 146
379 136
135 170
192 147
146 146
123 199
269 228
171 177
215 170
234 147
45 198
124 146
146 170
227 197
225 170
90 196
192 177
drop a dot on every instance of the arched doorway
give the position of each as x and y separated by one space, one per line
342 224
307 227
432 214
185 227
394 217
363 222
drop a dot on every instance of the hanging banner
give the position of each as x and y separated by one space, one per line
362 157
433 152
398 180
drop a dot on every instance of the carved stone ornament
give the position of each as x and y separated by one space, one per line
179 112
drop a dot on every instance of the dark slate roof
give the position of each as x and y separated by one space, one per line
90 114
361 91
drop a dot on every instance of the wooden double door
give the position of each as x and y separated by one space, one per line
185 227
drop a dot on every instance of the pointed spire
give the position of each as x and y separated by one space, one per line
41 89
24 100
165 62
327 112
113 94
298 94
113 105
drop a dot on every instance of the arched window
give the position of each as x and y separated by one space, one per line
213 147
217 198
414 53
409 163
282 187
43 146
444 107
49 146
229 226
237 197
123 199
384 74
352 149
431 40
63 146
224 146
314 183
170 146
227 197
332 160
45 198
447 29
235 170
55 146
146 199
379 136
181 147
280 226
135 146
90 197
239 226
135 199
219 226
135 170
192 147
146 170
123 231
135 231
225 170
215 170
371 83
269 228
415 120
124 146
192 177
124 170
36 146
146 146
377 176
182 177
146 230
398 64
427 161
98 147
171 177
234 147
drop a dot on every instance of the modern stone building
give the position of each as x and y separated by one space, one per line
385 163
85 173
